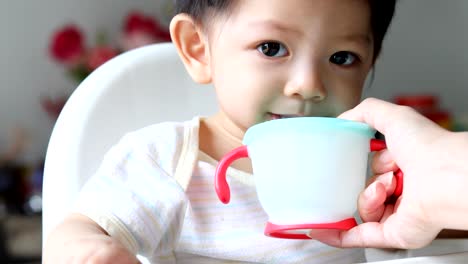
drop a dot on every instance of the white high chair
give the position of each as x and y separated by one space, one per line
136 89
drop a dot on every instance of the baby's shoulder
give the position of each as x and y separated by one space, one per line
163 143
160 137
165 132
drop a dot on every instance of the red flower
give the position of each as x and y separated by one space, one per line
135 40
67 44
137 22
99 55
53 107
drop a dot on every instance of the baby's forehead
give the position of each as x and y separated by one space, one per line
339 14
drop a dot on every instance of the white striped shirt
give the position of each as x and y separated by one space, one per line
154 192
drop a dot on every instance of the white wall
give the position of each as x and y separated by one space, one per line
425 51
26 70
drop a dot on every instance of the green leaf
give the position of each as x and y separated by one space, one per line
79 73
101 38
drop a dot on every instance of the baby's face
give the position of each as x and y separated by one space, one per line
277 59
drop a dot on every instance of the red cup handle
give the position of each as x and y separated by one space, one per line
221 185
378 145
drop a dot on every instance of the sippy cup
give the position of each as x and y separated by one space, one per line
308 172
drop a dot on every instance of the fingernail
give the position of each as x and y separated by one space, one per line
386 157
370 190
386 178
315 233
310 234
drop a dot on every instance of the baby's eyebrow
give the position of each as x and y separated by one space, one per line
274 24
360 38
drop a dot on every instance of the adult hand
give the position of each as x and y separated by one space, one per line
435 194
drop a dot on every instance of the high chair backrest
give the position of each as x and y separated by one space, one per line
138 88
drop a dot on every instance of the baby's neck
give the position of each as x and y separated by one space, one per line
216 138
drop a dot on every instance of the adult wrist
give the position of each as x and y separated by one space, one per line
452 211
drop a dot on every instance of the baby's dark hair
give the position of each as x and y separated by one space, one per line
381 14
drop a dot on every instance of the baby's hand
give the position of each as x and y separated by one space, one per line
80 240
95 249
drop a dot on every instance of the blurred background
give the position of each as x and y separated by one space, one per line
423 64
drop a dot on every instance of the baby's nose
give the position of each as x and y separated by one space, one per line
308 85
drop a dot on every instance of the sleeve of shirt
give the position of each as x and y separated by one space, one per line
135 200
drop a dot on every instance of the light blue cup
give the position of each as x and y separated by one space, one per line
308 171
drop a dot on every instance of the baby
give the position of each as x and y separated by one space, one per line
153 195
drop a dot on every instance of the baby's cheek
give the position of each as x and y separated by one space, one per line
347 100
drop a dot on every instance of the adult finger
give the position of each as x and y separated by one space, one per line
371 202
383 162
372 234
373 112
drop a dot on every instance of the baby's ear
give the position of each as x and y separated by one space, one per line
192 46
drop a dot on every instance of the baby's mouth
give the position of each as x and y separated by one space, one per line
274 116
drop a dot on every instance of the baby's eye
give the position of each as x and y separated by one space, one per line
272 49
344 58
